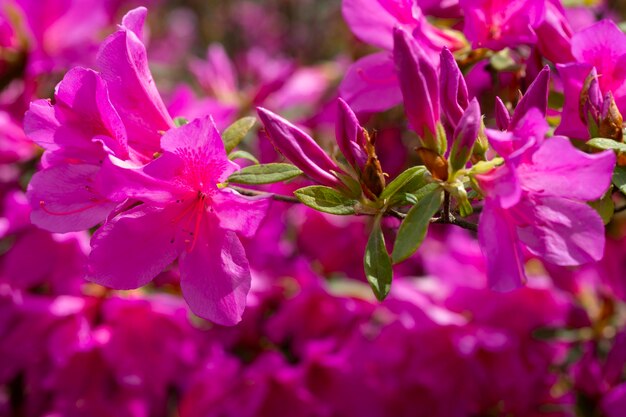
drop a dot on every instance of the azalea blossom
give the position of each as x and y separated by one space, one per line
186 215
536 201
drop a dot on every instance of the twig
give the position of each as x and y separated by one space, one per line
457 222
391 213
446 217
254 193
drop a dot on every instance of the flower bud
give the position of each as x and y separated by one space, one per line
300 149
465 136
350 136
503 117
453 89
419 85
536 97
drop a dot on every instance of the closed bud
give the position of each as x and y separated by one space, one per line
419 84
590 103
465 136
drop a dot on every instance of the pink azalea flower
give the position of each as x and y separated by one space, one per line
497 24
536 201
184 216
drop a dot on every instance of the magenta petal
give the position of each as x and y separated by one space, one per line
370 21
200 146
600 45
64 198
238 213
120 180
133 248
123 64
573 76
559 169
503 185
564 232
134 21
371 84
499 243
215 276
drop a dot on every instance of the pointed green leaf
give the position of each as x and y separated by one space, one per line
604 143
236 132
264 174
619 178
407 181
413 228
326 199
243 155
376 262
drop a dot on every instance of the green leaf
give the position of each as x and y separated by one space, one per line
376 262
619 178
413 228
326 199
604 207
180 121
604 143
235 133
264 174
407 181
243 155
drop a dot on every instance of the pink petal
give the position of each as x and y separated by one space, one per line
502 185
558 169
215 276
371 84
134 247
200 146
123 64
498 241
573 76
370 21
238 213
564 232
151 183
65 198
600 45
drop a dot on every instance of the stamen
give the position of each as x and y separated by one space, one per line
42 204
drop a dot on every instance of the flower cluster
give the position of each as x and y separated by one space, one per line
305 223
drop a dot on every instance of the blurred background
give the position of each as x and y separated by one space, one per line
313 340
